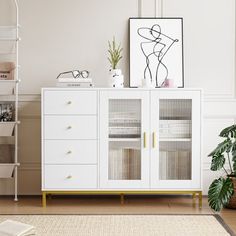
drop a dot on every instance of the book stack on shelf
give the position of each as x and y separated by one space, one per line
175 128
124 125
75 82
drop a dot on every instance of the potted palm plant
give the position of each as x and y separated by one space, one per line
116 79
222 191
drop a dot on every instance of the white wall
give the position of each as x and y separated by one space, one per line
73 34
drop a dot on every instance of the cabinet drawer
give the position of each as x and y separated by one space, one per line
70 127
70 102
70 151
70 176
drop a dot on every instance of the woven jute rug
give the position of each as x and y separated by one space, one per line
124 225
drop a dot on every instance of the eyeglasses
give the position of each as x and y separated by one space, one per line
76 74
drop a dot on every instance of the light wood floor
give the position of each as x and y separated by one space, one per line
111 205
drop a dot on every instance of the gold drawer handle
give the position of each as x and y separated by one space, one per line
69 152
144 139
69 177
69 127
69 102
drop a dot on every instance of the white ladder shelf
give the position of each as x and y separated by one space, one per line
10 170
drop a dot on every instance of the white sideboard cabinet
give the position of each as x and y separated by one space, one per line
121 141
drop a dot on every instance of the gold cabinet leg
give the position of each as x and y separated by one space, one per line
200 199
44 199
122 199
194 199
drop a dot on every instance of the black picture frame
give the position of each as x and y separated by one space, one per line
148 23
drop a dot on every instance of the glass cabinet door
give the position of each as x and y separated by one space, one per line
123 129
124 139
176 133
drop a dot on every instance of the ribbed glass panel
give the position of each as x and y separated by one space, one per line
175 160
175 109
175 132
124 139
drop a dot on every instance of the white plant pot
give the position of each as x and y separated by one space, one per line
116 79
148 84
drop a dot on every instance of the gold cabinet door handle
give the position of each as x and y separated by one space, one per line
154 139
144 139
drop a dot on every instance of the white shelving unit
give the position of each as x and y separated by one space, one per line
9 130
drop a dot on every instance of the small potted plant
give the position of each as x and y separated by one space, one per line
116 79
222 191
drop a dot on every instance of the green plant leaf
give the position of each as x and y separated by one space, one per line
222 147
220 192
234 167
114 53
217 162
229 132
234 156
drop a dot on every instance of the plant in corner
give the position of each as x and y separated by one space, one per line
115 55
221 191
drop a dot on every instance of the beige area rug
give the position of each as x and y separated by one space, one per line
124 225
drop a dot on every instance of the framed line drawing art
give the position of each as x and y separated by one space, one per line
156 51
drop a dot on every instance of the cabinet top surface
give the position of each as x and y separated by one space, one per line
121 89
